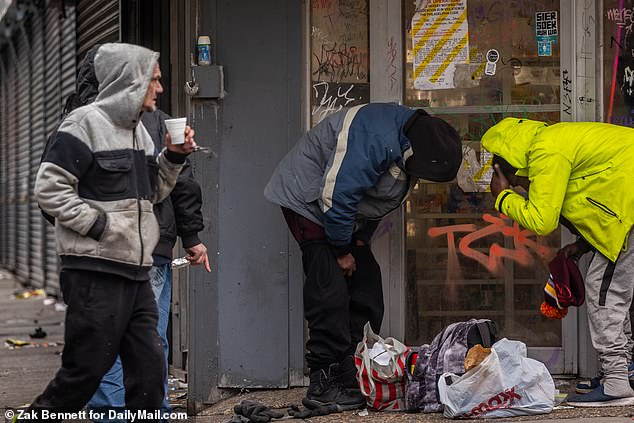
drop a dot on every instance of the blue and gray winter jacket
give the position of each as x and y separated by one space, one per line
347 170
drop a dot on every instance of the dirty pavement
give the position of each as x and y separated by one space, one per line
27 363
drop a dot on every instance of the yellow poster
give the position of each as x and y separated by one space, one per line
440 36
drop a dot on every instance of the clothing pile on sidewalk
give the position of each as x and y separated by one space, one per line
465 372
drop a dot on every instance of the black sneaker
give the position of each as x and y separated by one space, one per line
326 390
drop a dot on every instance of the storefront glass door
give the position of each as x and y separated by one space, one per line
473 63
451 256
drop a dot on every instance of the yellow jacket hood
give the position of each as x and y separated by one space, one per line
583 171
511 139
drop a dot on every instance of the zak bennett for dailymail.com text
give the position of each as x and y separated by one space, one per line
129 415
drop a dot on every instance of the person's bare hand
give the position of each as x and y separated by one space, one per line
184 148
347 264
198 255
498 182
576 249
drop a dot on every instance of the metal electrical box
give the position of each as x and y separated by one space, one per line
210 80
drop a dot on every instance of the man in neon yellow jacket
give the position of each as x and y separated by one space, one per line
583 172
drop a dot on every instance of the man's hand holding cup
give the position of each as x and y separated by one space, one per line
180 136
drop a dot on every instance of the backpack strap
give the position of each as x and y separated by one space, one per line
488 333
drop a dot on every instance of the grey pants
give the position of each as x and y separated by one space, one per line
609 290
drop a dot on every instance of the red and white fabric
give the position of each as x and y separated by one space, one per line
381 371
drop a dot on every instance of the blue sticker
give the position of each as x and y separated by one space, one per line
544 48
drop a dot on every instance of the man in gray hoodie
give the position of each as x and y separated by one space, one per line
99 180
178 215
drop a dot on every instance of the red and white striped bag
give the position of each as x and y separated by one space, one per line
381 371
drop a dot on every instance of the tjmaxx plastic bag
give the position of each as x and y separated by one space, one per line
505 384
381 370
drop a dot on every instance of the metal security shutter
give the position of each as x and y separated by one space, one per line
98 22
22 157
38 138
68 51
4 99
11 159
59 83
52 112
67 81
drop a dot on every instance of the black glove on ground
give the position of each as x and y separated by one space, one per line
256 412
306 413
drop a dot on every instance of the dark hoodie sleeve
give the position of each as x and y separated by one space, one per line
187 201
186 196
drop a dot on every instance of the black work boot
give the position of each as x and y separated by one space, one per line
347 375
325 390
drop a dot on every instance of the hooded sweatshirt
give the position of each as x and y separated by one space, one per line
179 214
100 176
583 171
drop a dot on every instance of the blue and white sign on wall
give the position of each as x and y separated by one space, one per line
546 32
545 48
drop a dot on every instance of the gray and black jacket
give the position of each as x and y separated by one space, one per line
179 214
100 176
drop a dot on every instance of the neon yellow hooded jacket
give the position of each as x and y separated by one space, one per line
581 170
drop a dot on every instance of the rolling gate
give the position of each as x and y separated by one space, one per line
37 71
38 74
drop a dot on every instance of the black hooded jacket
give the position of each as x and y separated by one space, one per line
180 213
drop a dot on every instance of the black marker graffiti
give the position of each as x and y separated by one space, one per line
567 98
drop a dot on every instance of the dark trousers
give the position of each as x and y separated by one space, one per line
107 315
335 307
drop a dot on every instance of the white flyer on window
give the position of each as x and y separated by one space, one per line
485 174
440 41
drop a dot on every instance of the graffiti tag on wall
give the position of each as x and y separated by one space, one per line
339 55
566 100
622 65
526 245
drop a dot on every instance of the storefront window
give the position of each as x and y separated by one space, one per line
618 62
473 63
480 53
340 66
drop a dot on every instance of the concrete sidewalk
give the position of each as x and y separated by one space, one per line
25 371
282 399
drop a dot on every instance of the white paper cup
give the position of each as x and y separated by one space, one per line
176 128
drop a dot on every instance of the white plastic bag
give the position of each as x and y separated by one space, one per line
505 384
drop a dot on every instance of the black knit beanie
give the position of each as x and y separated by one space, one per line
437 148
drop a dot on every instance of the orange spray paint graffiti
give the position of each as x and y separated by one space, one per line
524 242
